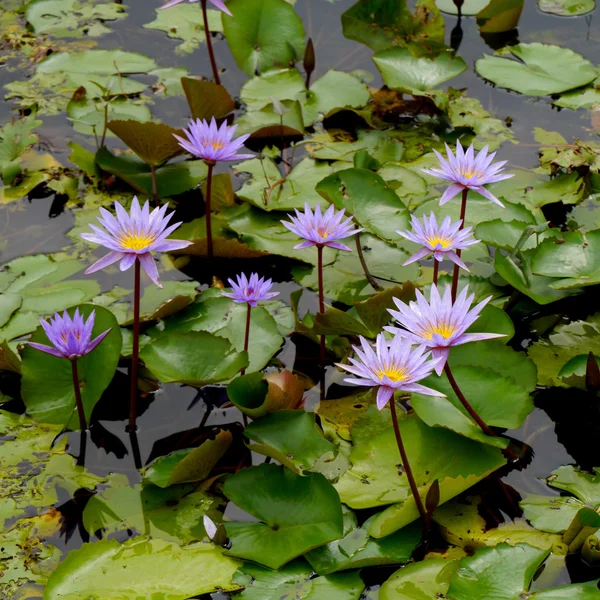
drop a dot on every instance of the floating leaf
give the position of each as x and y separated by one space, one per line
152 566
499 16
291 437
207 99
196 358
152 142
380 25
539 69
468 8
55 403
298 513
263 34
406 73
567 8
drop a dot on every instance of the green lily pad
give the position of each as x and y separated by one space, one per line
207 99
9 303
366 196
539 69
195 357
55 403
73 18
295 581
152 566
380 24
574 372
379 144
426 579
264 34
173 514
416 75
291 437
357 549
189 465
185 22
550 513
585 486
500 16
375 480
298 513
567 8
574 258
564 343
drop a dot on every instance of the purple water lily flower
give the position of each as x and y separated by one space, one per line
250 291
394 365
467 171
443 240
217 3
321 229
441 324
70 337
212 143
134 236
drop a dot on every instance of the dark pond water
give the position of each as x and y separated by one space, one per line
39 224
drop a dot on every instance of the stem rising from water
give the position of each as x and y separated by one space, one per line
136 350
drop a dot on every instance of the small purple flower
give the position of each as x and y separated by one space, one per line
71 337
395 365
218 3
134 236
250 291
441 324
211 143
443 240
467 171
321 230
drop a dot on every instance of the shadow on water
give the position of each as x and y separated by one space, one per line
177 417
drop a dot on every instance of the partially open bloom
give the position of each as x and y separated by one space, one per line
134 236
441 324
217 3
467 171
70 337
250 291
394 365
212 143
443 240
321 229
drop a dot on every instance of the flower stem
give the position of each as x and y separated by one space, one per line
154 185
363 263
211 54
466 403
321 297
247 337
136 349
463 211
78 400
82 448
436 268
409 474
209 238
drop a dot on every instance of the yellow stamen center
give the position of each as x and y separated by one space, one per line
323 233
443 329
216 145
435 240
136 241
392 373
470 174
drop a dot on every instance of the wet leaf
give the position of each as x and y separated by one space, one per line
196 358
567 8
153 566
189 465
264 34
539 69
298 513
207 99
500 16
56 403
73 18
291 437
152 142
416 75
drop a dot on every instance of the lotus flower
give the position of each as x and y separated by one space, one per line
250 291
441 324
70 337
134 236
467 171
216 3
391 366
212 143
443 240
321 229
